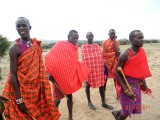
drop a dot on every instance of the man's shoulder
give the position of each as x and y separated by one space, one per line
62 44
84 45
106 41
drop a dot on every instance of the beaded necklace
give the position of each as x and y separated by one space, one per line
134 53
28 43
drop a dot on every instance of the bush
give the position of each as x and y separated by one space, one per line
4 45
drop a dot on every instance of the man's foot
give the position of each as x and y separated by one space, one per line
116 114
70 118
107 106
91 106
117 97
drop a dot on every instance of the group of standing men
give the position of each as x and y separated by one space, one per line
28 87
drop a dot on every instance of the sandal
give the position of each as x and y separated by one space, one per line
91 106
107 106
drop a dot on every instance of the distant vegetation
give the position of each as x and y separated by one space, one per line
4 45
50 44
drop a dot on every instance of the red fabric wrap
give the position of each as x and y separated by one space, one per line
34 87
137 67
109 56
62 63
92 57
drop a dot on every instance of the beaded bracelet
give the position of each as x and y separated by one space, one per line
19 101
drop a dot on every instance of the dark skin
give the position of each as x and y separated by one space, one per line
136 43
90 37
112 36
4 98
73 39
22 27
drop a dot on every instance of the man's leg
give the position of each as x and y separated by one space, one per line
116 114
70 106
115 89
90 105
105 84
121 117
57 102
102 93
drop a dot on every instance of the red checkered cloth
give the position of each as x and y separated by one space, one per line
57 94
92 57
62 63
34 87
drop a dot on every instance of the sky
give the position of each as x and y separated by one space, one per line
53 19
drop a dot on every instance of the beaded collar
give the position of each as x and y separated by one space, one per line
134 53
28 43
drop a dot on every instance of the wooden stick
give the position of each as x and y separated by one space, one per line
121 71
31 115
60 89
3 116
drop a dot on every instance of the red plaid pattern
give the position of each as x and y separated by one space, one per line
34 87
109 56
57 95
92 57
62 63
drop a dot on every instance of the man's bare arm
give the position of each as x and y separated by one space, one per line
13 54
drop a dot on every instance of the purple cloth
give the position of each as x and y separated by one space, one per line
105 70
22 46
130 106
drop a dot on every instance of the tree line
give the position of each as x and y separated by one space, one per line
99 42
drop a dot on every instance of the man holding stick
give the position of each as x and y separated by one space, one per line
132 76
65 70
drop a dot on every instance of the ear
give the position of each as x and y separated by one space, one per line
30 27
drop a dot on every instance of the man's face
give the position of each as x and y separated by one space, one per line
90 37
73 38
138 39
112 34
23 27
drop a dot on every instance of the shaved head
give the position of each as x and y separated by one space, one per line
111 30
89 33
133 34
23 19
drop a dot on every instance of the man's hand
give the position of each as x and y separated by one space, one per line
131 95
51 79
118 53
4 98
143 85
115 38
22 107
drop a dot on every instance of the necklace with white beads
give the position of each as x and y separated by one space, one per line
28 43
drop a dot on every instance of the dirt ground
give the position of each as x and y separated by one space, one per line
81 111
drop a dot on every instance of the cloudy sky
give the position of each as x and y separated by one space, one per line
53 19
